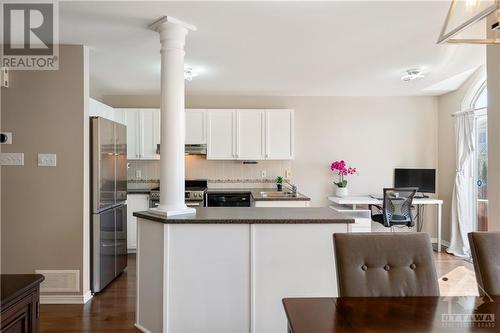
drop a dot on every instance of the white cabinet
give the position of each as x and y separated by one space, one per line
135 203
196 127
279 135
221 135
98 109
143 133
250 134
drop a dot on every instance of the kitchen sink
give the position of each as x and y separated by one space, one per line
276 194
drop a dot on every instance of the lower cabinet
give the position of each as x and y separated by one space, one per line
20 303
135 203
278 203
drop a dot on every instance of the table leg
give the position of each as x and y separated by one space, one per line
440 209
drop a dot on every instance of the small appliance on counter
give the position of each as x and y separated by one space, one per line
108 196
194 194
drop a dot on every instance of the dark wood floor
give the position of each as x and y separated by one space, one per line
113 310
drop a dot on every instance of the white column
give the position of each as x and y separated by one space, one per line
172 38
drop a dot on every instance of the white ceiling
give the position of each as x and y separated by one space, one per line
274 48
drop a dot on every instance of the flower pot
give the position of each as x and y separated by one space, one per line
280 187
341 192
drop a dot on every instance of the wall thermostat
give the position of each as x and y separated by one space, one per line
5 138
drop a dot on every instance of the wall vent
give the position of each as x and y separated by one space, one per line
67 281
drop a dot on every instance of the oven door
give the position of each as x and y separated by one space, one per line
194 203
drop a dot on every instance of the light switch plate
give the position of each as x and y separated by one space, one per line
11 158
263 173
47 160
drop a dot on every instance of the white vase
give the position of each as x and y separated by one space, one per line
342 192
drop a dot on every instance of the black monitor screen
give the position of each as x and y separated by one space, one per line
424 179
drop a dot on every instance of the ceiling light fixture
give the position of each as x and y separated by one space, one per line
472 22
189 73
412 74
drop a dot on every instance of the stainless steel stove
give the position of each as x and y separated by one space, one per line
194 194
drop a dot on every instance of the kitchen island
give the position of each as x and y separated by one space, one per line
227 269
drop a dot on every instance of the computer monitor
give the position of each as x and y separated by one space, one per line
424 179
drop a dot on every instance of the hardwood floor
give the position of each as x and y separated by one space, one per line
113 310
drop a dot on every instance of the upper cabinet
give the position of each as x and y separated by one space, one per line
280 134
221 141
98 109
196 127
143 133
250 134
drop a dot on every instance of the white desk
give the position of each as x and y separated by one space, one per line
352 201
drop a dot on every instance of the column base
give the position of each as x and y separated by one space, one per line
170 211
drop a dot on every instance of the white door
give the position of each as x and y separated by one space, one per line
133 123
135 203
150 133
279 134
221 135
196 127
250 135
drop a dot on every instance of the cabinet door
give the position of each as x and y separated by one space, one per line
135 203
279 134
133 129
221 135
250 135
150 133
196 127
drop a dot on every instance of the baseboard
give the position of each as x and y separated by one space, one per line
443 242
65 299
142 329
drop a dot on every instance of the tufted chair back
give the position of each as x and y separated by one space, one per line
385 265
485 248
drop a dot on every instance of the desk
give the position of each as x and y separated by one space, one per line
350 203
392 314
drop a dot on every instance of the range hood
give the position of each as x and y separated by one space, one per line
189 149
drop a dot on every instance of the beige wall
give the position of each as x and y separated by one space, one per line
375 134
449 104
45 209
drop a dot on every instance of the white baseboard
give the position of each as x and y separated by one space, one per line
443 242
142 329
65 299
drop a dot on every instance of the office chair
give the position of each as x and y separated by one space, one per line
396 208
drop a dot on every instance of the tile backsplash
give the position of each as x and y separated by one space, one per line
198 167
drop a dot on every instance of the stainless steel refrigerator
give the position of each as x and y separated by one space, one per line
108 198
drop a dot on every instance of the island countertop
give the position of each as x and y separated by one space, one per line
251 215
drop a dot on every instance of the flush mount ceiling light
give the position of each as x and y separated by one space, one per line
412 74
472 22
189 73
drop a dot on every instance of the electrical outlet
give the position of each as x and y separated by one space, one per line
138 174
11 158
263 173
5 138
47 160
288 174
4 77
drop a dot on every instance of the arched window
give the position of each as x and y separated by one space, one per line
480 105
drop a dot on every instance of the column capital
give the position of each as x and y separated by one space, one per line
169 20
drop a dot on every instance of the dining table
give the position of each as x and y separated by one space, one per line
457 314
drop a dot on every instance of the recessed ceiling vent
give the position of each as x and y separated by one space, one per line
412 74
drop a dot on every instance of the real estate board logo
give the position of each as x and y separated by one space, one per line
30 35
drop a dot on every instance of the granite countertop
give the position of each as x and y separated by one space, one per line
251 215
138 191
256 196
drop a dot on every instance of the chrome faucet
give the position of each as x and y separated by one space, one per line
291 186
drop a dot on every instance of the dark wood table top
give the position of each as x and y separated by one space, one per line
393 314
13 285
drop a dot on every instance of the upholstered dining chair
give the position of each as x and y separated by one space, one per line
485 248
385 265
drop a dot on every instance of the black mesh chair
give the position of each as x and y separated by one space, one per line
396 208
